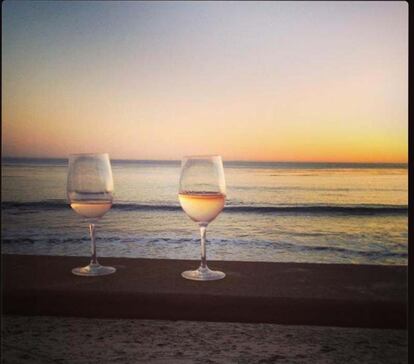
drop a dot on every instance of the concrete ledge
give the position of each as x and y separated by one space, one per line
284 293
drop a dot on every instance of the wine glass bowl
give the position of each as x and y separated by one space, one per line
202 207
202 194
90 194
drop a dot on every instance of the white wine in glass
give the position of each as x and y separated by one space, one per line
90 193
202 193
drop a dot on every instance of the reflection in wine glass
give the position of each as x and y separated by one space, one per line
202 193
89 191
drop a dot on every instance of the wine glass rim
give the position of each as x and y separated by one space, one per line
86 154
202 156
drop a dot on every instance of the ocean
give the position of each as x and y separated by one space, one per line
274 212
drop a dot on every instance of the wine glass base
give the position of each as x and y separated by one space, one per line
203 274
93 270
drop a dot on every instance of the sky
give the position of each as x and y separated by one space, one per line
269 81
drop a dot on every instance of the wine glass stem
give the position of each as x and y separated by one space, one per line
203 228
94 260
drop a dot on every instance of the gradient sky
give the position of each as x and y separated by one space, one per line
281 81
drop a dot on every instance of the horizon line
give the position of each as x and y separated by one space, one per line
233 160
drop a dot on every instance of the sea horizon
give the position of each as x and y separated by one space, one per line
314 164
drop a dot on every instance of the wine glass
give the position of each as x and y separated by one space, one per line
89 191
202 193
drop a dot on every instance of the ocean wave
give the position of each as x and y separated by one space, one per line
291 209
120 243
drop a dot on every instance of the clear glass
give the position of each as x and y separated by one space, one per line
202 194
90 193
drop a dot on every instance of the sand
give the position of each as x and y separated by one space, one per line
46 339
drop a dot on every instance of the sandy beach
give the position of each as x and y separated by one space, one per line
45 339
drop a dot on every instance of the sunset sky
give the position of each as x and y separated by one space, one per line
274 81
